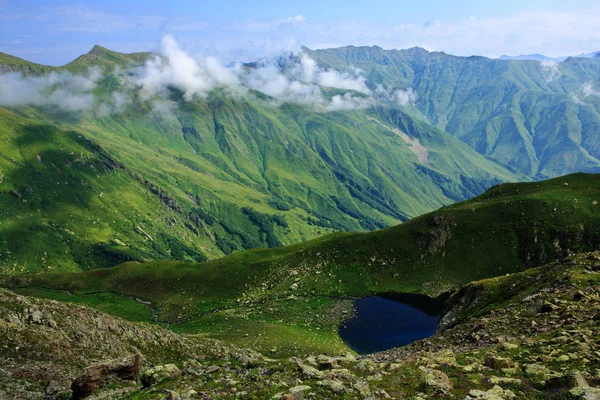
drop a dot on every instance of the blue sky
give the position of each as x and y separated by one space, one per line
55 32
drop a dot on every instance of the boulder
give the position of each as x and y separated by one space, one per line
585 393
495 362
495 393
566 381
152 376
434 379
98 375
549 307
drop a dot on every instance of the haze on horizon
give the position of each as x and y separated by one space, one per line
56 32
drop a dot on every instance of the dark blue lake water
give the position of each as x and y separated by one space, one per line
388 321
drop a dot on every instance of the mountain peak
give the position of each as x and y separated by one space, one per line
97 49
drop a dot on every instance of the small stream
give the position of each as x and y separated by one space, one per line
390 320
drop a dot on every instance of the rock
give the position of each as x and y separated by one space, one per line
365 365
579 295
296 393
434 379
549 307
52 388
172 395
445 357
212 369
495 380
326 362
98 375
495 393
536 370
509 346
362 388
567 381
334 385
158 374
495 362
308 371
585 393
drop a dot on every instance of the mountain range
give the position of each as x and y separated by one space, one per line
195 178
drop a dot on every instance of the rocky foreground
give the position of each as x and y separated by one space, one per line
532 335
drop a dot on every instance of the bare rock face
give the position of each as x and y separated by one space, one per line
437 236
98 375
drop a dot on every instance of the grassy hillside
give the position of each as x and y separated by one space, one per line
534 118
196 180
295 296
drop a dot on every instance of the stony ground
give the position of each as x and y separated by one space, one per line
532 335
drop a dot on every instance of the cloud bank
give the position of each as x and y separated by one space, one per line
300 80
63 90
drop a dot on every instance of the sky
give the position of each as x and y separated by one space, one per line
56 32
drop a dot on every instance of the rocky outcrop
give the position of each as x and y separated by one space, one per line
98 375
437 236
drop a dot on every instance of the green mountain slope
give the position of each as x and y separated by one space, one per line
295 296
195 180
540 119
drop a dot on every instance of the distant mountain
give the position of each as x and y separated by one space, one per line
541 57
535 57
541 120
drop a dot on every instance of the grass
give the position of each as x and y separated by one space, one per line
508 229
106 302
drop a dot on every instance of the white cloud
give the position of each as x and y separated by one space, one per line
589 90
300 81
398 96
348 102
68 92
551 69
176 68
